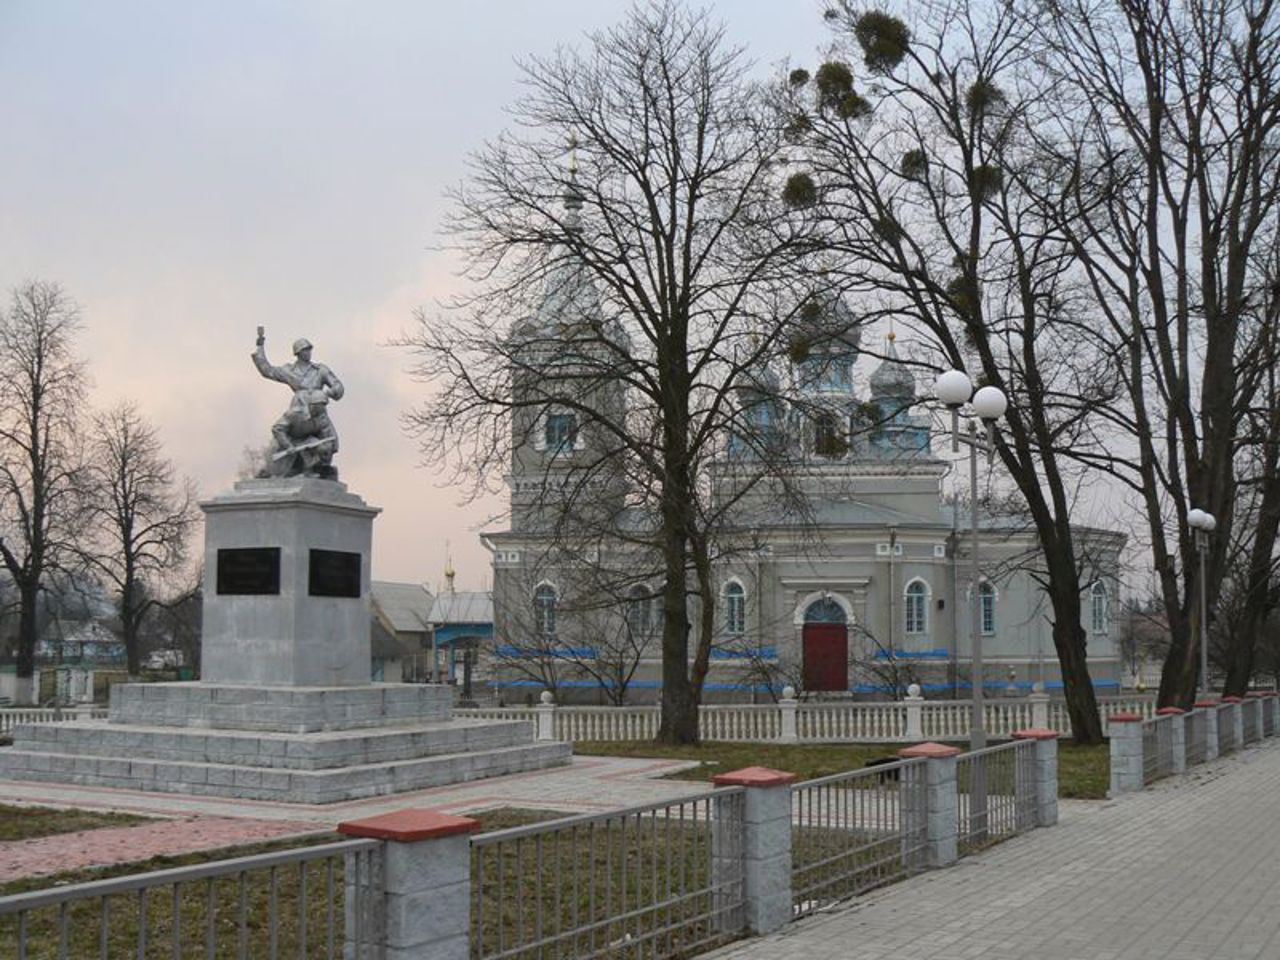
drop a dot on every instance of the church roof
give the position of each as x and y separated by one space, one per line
404 606
464 606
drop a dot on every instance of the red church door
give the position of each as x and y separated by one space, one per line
826 656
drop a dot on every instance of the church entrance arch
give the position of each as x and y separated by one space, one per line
825 644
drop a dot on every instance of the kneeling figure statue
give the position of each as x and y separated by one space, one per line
303 440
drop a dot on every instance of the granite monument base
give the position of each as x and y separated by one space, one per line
297 745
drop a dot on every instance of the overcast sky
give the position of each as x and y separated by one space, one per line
191 170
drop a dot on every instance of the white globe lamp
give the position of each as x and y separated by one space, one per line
1197 519
953 388
990 403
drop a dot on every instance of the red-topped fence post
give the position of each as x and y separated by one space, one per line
766 845
1210 727
1125 730
426 900
1044 778
1177 737
941 803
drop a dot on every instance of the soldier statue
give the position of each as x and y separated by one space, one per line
303 440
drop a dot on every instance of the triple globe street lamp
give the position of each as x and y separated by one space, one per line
954 389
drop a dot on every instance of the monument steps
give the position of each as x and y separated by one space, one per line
292 751
285 785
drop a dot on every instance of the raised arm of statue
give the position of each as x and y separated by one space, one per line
265 366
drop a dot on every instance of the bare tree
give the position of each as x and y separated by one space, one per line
142 513
40 451
917 161
644 277
1167 143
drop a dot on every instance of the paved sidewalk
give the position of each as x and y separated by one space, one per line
1186 870
42 856
587 784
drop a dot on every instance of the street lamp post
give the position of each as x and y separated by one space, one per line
1203 523
955 389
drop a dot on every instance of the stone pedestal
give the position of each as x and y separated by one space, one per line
285 709
286 598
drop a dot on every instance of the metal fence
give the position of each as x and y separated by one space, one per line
1157 749
1226 728
655 881
995 797
1195 736
853 832
309 902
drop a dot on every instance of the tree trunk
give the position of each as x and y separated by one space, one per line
1077 687
679 707
1181 665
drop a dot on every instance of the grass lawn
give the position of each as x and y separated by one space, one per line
193 899
24 823
1083 772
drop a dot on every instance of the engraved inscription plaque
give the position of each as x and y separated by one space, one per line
333 573
249 571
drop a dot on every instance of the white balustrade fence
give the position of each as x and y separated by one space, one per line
895 721
11 717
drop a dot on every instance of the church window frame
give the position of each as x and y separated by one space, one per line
546 602
988 597
1099 610
735 608
915 608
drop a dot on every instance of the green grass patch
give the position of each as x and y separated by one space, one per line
807 761
26 823
1083 772
125 916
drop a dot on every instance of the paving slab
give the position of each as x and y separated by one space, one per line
585 785
1185 870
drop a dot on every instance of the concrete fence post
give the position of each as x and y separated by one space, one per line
1125 730
1270 701
426 900
1039 710
789 706
940 803
1209 727
1044 781
766 845
1177 737
1255 702
547 716
915 712
1235 716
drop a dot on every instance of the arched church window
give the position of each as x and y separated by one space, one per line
561 432
1100 614
735 608
825 610
639 611
544 609
828 438
916 608
987 608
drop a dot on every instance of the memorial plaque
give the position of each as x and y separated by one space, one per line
333 573
249 571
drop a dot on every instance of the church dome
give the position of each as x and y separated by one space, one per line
826 327
893 378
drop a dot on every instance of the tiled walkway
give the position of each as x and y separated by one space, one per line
586 785
1186 870
42 856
